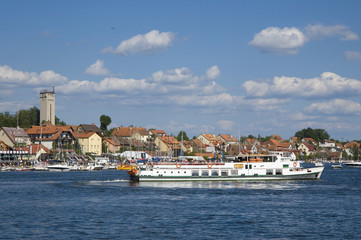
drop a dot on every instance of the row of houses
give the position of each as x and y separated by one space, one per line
89 139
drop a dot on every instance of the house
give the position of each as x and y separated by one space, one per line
3 146
351 147
198 145
251 141
121 132
209 139
187 146
51 136
307 148
36 152
167 144
141 134
293 140
273 144
90 142
277 137
112 145
154 132
228 139
86 128
327 144
13 137
309 140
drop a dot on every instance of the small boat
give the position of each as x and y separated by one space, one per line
336 166
318 164
353 164
95 167
25 169
275 166
59 168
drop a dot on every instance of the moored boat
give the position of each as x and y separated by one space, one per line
276 166
59 168
352 164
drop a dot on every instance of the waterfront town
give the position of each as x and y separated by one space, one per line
86 143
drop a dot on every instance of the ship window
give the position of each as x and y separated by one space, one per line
269 172
285 165
195 173
214 173
278 171
224 173
248 166
234 172
205 173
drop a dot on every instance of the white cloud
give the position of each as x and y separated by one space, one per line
352 55
226 125
173 82
320 31
302 117
106 85
287 41
281 41
177 75
213 72
10 75
97 68
267 104
336 106
327 85
223 99
149 43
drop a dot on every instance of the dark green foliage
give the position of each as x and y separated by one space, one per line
104 122
24 119
319 135
185 137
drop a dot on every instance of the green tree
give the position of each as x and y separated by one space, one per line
104 122
185 137
319 135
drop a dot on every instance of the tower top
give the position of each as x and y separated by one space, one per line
47 91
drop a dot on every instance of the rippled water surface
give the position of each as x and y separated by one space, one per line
104 205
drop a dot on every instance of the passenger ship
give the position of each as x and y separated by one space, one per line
276 166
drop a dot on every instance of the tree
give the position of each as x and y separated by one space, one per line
185 137
319 135
104 122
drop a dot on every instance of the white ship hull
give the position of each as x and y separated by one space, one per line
58 168
225 173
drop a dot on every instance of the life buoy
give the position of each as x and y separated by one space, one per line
210 165
295 164
179 165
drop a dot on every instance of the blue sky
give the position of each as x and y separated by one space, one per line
222 67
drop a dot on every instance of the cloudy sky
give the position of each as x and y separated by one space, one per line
222 67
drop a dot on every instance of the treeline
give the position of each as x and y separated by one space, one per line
24 118
319 135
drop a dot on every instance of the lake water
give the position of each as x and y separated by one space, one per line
104 205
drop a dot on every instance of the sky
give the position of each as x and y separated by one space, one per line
222 67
